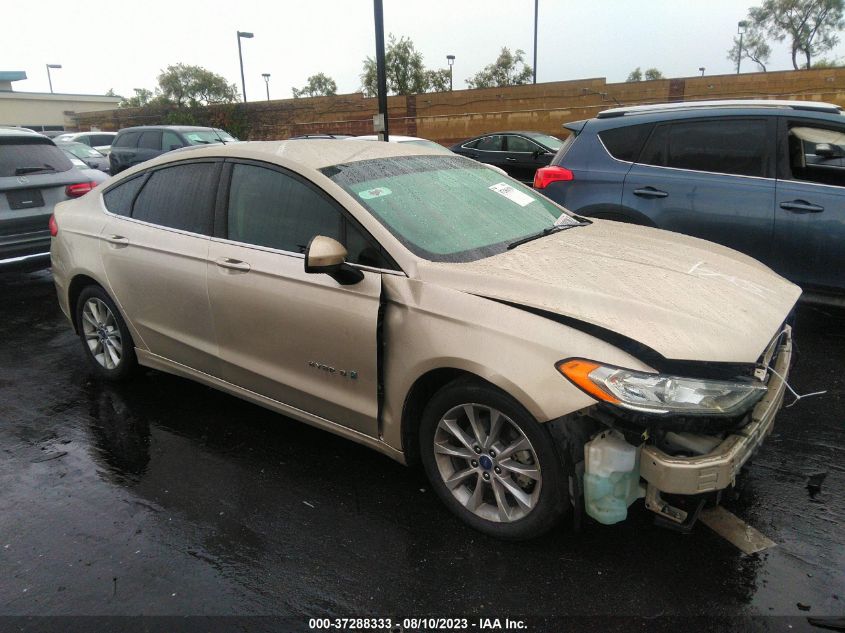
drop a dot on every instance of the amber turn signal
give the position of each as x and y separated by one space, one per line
578 370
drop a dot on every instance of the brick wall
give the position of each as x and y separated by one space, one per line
448 117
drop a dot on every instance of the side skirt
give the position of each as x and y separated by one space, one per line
153 361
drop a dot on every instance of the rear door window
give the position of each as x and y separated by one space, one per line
522 144
118 199
492 143
624 143
725 146
179 197
150 140
130 139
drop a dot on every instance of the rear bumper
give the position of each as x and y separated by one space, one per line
717 469
33 261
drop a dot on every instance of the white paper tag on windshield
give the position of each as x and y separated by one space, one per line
514 195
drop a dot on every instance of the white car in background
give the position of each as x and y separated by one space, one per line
100 141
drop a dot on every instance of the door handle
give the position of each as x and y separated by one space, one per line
118 240
650 192
801 206
510 159
232 264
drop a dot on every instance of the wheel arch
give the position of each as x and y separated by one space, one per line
75 288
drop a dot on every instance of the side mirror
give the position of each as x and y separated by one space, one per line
827 150
325 255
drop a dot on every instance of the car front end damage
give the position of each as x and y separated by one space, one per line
677 462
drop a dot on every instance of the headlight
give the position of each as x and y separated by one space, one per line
659 393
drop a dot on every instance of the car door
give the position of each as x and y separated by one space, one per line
524 157
154 248
710 178
809 242
490 150
300 339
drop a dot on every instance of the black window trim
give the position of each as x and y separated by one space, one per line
221 215
146 176
771 146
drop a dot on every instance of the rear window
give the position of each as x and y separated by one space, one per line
22 157
624 143
118 199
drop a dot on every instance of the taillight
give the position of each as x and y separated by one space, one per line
554 173
54 227
79 189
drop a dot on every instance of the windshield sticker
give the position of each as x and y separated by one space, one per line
514 195
375 192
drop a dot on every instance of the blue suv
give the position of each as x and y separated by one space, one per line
763 177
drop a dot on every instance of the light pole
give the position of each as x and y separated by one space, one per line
450 59
381 69
701 68
740 29
536 3
267 83
245 35
50 79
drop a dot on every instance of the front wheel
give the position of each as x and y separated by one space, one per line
491 463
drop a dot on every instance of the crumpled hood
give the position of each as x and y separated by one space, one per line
687 299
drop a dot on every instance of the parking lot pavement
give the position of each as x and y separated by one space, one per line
165 497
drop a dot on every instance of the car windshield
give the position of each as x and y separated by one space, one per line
447 208
552 142
429 144
80 150
204 137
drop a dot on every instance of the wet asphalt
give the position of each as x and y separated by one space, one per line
164 497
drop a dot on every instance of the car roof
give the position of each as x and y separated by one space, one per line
394 138
19 131
814 106
177 128
309 153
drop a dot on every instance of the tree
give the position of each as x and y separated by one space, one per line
824 62
319 85
754 47
437 80
184 85
650 74
406 73
810 25
635 75
142 98
505 71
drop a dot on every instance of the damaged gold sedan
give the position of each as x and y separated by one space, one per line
533 361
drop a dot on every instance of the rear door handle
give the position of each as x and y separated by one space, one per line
232 264
650 192
510 159
801 206
118 240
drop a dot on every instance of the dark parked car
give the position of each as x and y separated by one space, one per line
88 155
763 177
134 145
518 153
35 175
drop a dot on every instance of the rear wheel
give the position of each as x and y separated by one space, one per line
491 463
105 337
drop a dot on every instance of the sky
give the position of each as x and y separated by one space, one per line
123 45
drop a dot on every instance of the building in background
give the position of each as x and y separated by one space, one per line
44 111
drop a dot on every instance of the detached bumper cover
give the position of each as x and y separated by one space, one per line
718 468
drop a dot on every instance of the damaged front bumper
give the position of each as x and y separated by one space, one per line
718 468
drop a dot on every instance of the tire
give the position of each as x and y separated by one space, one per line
512 490
105 338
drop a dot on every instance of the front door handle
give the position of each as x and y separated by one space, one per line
801 206
650 192
510 159
118 240
232 264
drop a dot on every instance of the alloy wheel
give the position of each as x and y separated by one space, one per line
487 463
102 334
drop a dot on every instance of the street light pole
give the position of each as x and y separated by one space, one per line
381 71
267 83
450 59
740 29
536 7
701 68
50 79
246 35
